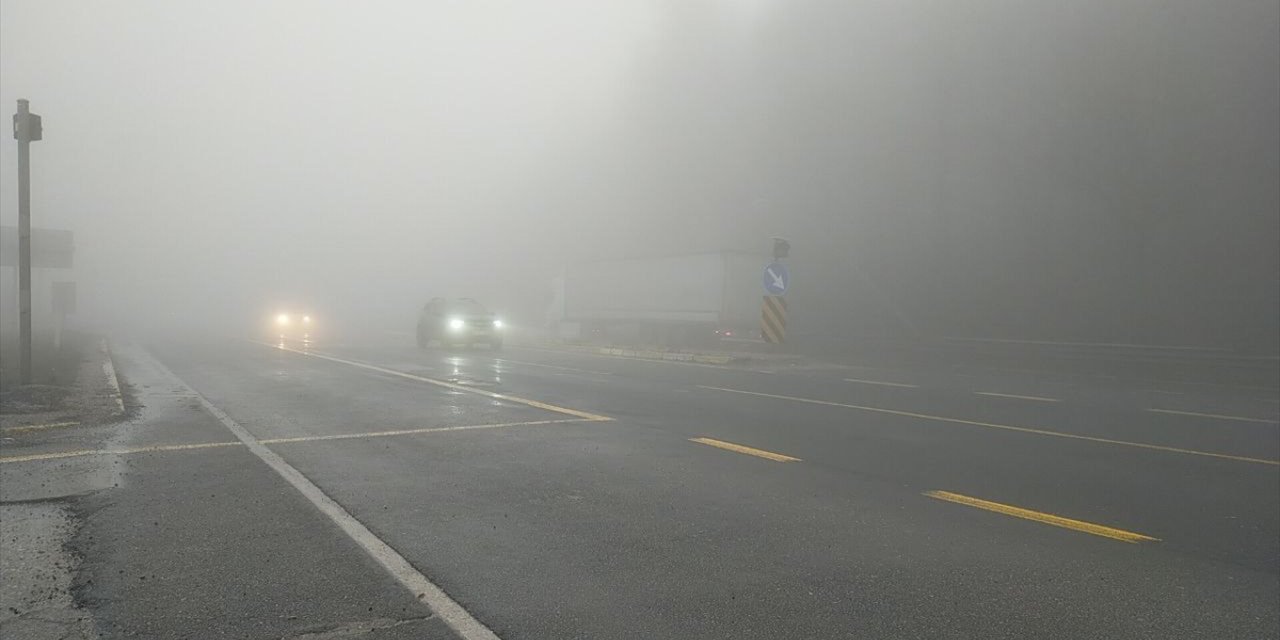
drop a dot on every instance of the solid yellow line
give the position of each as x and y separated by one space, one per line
1212 415
759 453
1040 432
103 452
342 436
883 384
405 432
37 427
1045 518
52 456
449 385
1016 397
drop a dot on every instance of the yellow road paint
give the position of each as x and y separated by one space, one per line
882 383
448 385
341 436
38 427
407 432
53 456
759 453
1212 415
118 452
1005 427
1016 397
1045 518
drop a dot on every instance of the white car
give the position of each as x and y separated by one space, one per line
292 325
458 321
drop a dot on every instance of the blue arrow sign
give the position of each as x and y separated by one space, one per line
776 279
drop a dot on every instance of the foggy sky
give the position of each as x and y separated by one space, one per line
1088 170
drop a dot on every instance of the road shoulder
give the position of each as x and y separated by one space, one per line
187 544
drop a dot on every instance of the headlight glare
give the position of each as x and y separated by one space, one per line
456 323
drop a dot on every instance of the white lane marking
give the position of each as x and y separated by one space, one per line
553 366
1121 345
882 383
1005 427
447 385
418 584
1213 415
1016 397
109 369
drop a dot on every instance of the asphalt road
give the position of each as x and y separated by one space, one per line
551 494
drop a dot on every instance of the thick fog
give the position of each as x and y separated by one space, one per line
1095 170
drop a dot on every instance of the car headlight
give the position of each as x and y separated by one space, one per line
497 324
306 319
282 319
456 323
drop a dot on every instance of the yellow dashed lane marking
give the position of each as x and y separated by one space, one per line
1040 516
759 453
1004 427
342 436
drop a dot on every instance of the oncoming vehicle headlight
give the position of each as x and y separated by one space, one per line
497 324
306 319
456 323
282 319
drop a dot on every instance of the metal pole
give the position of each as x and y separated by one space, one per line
24 247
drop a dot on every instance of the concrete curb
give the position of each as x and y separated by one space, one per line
645 354
673 356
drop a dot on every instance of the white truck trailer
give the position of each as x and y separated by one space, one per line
677 300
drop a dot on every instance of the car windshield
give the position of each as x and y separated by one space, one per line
466 306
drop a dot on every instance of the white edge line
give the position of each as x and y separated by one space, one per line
883 384
110 369
1016 397
1215 416
423 589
